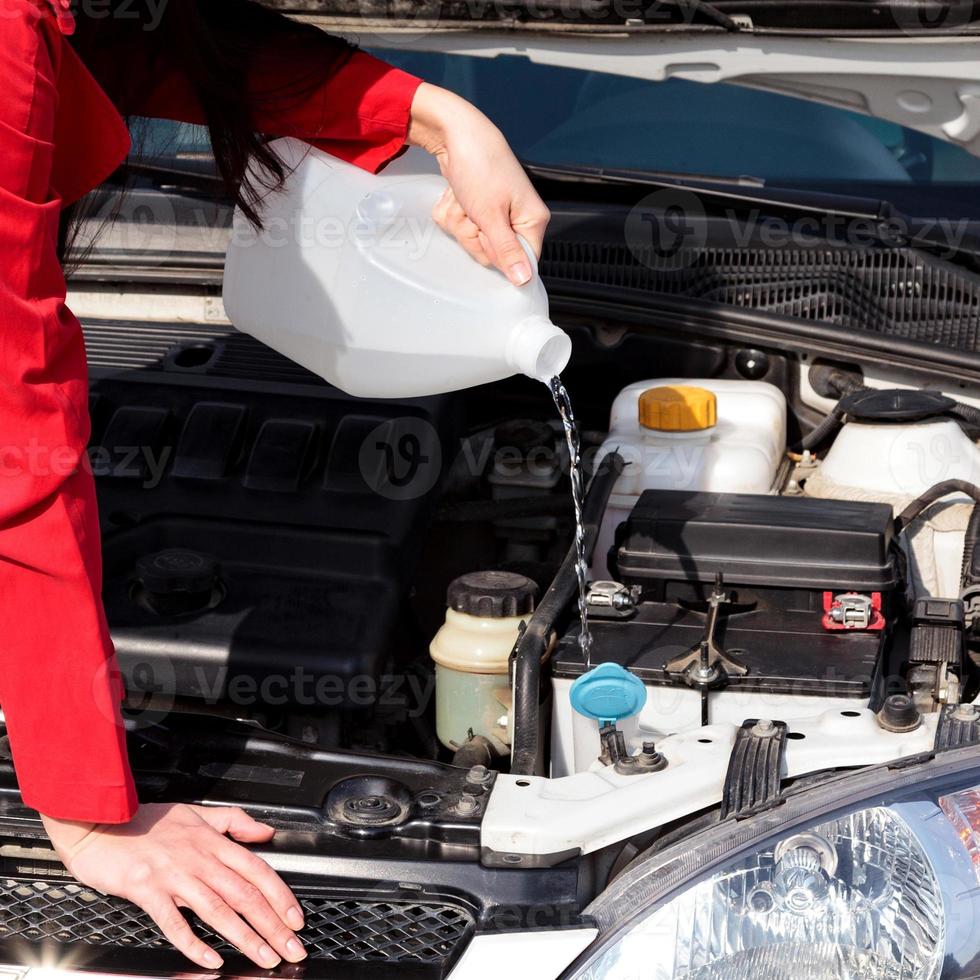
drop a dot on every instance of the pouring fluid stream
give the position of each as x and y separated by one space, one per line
564 405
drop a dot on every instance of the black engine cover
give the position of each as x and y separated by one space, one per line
288 515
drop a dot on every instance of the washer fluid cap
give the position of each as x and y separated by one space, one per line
895 405
678 408
607 693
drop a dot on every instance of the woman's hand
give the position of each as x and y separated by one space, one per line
172 856
490 200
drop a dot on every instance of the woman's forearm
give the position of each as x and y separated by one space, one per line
490 200
66 835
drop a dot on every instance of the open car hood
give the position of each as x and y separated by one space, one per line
927 84
920 68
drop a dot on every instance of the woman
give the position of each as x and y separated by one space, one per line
247 74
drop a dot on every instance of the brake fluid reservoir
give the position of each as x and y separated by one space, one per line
471 653
701 434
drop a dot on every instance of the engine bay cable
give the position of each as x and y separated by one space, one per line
536 636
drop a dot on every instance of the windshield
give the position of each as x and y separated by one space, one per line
567 116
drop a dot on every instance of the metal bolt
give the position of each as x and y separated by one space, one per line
467 805
764 727
965 712
649 748
622 600
478 774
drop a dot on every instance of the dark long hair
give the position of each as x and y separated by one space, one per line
216 45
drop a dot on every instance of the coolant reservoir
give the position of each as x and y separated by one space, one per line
896 444
691 434
351 278
902 460
471 653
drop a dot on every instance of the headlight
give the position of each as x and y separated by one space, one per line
848 881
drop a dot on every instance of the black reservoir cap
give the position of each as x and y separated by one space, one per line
895 405
493 595
756 539
176 570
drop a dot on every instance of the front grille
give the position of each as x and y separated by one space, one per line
347 929
897 292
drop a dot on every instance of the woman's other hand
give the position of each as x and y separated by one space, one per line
490 199
172 856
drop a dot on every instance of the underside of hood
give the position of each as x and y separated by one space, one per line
927 84
605 16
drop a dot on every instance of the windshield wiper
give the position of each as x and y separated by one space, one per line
710 12
884 222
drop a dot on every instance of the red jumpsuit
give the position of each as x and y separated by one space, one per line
59 137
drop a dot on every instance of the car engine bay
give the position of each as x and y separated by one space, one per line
286 561
784 587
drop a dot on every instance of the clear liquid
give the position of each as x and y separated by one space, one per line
564 405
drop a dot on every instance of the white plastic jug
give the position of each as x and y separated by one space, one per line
351 278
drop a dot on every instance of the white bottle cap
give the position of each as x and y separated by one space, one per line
537 348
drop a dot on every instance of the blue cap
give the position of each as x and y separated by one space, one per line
607 693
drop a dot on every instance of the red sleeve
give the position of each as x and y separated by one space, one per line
59 686
360 114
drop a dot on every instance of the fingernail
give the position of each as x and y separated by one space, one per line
212 959
294 918
520 273
295 949
268 955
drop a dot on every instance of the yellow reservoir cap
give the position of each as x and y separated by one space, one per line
678 408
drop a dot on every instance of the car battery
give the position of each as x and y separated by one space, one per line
806 590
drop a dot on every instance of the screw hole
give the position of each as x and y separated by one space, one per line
512 859
523 782
194 356
796 736
851 714
705 741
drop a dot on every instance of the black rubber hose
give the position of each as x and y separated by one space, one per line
818 435
533 642
931 495
968 418
969 547
844 384
966 415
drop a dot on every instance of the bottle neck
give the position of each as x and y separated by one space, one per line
537 348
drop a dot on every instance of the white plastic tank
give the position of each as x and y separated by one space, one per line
351 278
895 462
901 458
698 434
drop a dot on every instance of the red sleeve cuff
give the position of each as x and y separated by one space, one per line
366 115
83 802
